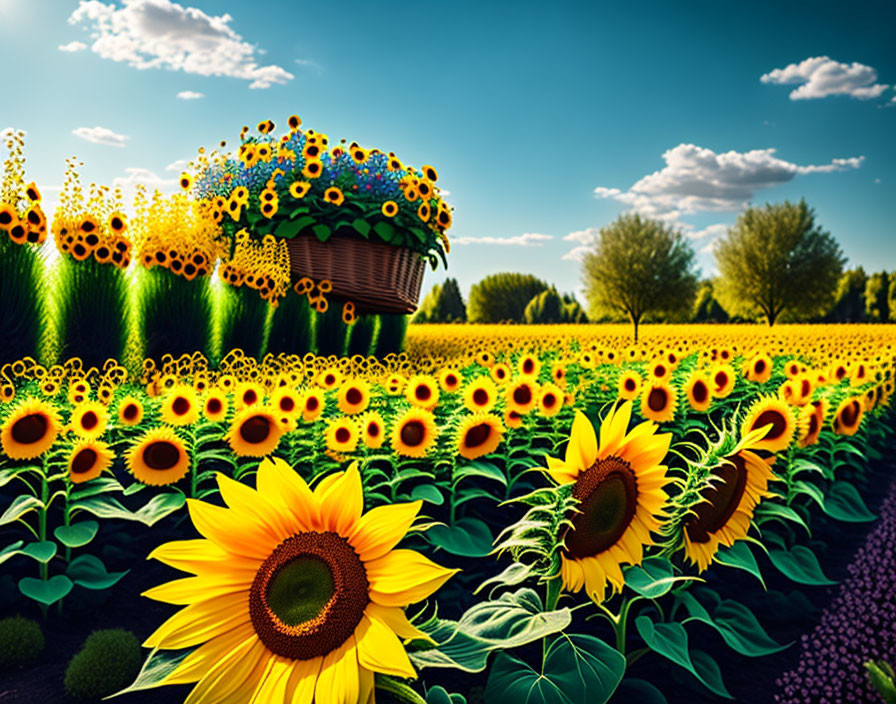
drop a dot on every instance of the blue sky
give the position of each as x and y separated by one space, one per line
545 120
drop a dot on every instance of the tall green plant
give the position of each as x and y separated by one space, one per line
390 338
292 329
90 311
22 302
175 314
244 321
361 336
332 332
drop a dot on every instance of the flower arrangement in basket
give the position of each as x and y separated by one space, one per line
356 217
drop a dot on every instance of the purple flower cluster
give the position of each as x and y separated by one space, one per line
859 625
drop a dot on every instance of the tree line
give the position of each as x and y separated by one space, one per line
776 264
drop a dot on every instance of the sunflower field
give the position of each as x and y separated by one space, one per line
496 514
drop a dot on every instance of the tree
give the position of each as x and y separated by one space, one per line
706 308
443 304
849 298
502 297
545 308
639 266
877 301
891 297
776 259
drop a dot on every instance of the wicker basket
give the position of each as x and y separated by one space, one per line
377 277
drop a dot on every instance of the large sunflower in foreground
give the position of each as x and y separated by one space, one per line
29 430
296 594
724 510
619 484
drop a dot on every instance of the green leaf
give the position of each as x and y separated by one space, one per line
399 691
89 572
300 210
78 534
479 468
671 641
20 505
42 552
9 473
427 492
384 230
159 665
468 537
800 565
772 509
641 691
159 506
512 575
844 504
105 507
100 485
510 621
322 232
804 465
576 668
11 550
362 227
289 228
653 577
48 592
813 491
736 624
740 557
439 695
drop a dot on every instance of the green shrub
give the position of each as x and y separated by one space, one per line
108 662
244 321
292 329
21 641
360 336
502 297
545 308
390 338
22 301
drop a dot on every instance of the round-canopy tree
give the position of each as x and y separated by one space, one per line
776 259
639 266
501 298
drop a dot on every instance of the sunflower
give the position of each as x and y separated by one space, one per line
660 369
500 372
214 406
354 396
312 405
550 400
558 373
480 395
342 434
414 432
247 393
390 209
286 401
619 485
848 416
658 401
698 391
422 391
629 385
297 595
528 365
810 421
29 430
478 434
373 429
724 509
180 406
449 380
330 378
299 189
334 195
158 458
313 168
89 420
759 368
254 432
88 459
723 378
774 415
522 395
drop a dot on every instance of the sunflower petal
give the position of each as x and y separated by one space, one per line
200 622
230 531
188 555
342 501
380 650
234 677
191 589
559 472
338 679
200 661
302 681
252 505
582 448
396 620
380 529
284 487
402 577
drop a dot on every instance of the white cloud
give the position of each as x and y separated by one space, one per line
135 176
72 46
529 239
177 166
162 34
696 179
586 239
713 231
100 135
710 246
821 76
190 95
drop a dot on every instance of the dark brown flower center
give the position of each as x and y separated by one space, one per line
850 414
214 406
255 429
608 497
423 392
657 400
413 433
719 500
311 403
308 596
700 391
130 411
354 396
84 461
549 400
478 435
522 394
30 429
161 455
343 435
181 406
759 367
774 419
250 397
89 420
480 397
